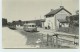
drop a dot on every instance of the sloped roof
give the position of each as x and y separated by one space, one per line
62 21
32 21
42 20
52 13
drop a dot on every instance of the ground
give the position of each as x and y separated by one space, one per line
21 39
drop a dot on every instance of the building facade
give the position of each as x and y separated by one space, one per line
54 17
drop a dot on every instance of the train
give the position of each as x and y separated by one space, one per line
30 27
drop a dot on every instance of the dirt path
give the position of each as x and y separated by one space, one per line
13 39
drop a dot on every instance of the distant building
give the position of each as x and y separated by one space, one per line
56 17
39 23
19 23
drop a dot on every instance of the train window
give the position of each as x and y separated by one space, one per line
29 25
33 25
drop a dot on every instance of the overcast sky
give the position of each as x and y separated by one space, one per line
33 9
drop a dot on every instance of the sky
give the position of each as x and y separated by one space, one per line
34 9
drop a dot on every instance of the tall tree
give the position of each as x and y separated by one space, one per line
14 22
20 22
4 21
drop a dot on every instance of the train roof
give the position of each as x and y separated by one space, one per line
30 24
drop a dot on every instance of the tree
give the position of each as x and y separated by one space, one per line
4 22
20 22
14 22
77 12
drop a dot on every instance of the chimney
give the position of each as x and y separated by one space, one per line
52 9
61 6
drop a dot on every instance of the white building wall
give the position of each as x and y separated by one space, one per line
63 12
42 24
51 22
66 25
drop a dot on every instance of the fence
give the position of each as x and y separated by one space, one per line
60 40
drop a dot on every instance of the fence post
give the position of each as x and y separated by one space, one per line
51 41
47 39
42 39
56 40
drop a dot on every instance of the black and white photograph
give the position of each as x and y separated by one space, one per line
40 24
